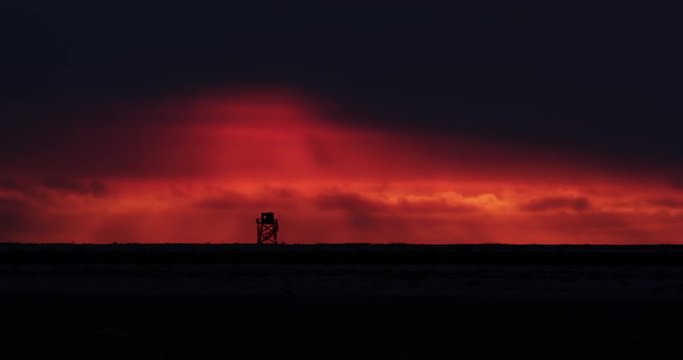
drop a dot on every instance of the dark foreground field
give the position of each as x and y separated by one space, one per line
341 301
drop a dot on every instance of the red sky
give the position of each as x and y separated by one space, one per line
200 168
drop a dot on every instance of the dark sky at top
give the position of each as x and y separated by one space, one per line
600 79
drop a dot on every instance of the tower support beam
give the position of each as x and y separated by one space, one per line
266 228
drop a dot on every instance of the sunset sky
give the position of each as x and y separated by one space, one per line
354 122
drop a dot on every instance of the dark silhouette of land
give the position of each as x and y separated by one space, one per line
665 255
361 301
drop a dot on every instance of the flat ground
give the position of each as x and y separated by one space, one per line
342 301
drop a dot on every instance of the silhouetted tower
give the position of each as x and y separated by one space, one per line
267 228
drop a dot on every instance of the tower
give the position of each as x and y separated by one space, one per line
267 228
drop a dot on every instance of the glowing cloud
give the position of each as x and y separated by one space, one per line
200 169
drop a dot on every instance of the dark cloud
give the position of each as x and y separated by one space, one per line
584 79
353 202
673 203
91 188
436 206
347 202
23 189
105 90
557 203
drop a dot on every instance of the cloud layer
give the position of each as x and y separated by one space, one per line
201 168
